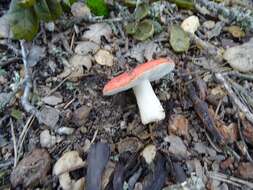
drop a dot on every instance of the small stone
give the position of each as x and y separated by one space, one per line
65 131
190 24
46 140
209 24
104 57
52 100
50 26
240 57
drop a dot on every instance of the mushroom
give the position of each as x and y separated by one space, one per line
139 79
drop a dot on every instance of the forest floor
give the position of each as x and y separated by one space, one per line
205 140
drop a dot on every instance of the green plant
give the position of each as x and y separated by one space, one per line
98 7
141 28
24 16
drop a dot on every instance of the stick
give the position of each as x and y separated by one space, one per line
14 143
27 83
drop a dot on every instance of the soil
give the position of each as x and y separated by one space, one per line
199 136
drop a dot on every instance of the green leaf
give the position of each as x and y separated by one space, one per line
55 8
179 39
17 114
131 27
24 23
98 7
42 10
157 26
26 3
141 11
184 4
48 10
145 29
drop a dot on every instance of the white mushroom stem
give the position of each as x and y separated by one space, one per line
150 107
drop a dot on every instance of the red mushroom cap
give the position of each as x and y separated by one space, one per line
151 70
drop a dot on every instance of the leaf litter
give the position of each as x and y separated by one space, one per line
182 151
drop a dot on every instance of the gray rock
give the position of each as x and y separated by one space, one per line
240 57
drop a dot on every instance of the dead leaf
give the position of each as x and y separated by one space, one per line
75 68
52 100
245 170
32 169
79 9
109 169
96 31
179 125
70 184
177 146
80 115
150 49
84 48
236 31
149 153
143 50
69 161
104 57
131 144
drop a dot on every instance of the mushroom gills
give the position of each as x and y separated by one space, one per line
149 105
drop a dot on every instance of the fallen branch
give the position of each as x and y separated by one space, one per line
27 83
201 108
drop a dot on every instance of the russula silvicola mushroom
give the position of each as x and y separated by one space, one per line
139 79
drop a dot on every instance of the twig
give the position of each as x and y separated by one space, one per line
14 143
23 135
9 61
229 179
213 51
27 83
233 96
6 164
58 86
243 141
217 149
71 22
240 75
